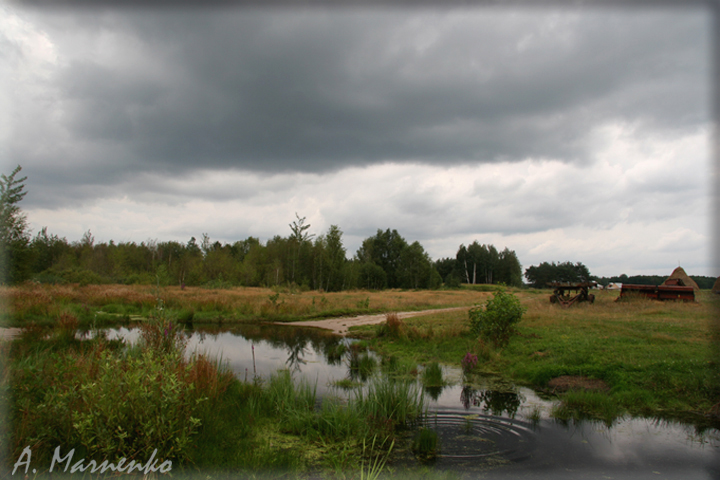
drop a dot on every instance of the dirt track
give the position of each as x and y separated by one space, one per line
340 326
9 333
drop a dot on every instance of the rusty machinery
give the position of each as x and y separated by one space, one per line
672 289
564 297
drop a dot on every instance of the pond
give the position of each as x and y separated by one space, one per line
484 429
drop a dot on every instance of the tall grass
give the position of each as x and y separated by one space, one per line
398 401
108 303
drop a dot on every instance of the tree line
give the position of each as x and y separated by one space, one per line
704 282
302 259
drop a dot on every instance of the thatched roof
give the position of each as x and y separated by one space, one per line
680 274
716 286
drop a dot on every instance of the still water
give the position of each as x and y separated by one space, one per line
484 430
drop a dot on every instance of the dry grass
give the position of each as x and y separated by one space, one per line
51 301
621 318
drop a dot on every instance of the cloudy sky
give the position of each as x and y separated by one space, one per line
563 134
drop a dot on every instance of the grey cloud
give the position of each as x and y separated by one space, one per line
317 91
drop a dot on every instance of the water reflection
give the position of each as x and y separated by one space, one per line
434 391
362 365
493 401
300 345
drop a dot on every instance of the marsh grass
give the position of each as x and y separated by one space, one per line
399 401
399 367
432 375
362 365
426 444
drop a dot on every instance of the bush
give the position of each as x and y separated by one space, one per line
496 322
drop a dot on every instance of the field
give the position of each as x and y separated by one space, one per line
638 357
100 304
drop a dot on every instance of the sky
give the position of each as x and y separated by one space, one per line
565 134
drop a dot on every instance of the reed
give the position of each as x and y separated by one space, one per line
362 365
399 401
426 444
432 375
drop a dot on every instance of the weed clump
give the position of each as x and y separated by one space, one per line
425 445
393 327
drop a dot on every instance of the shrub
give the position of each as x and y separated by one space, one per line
156 410
496 322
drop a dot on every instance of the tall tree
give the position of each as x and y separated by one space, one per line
298 240
384 250
335 259
14 237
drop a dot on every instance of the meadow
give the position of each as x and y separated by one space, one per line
602 361
113 304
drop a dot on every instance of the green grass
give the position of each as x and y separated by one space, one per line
432 375
657 358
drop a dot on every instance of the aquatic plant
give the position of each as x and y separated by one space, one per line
375 468
335 352
425 444
432 375
362 365
400 401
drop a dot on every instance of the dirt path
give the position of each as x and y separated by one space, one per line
340 326
9 333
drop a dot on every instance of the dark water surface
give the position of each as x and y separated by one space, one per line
485 430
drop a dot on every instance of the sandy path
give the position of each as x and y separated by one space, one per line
340 326
9 333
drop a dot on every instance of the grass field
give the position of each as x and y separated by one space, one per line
655 358
44 304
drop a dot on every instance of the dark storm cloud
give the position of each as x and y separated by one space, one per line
319 91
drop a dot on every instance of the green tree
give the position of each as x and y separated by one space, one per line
415 268
46 250
384 250
371 276
14 235
509 270
540 276
299 239
332 260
